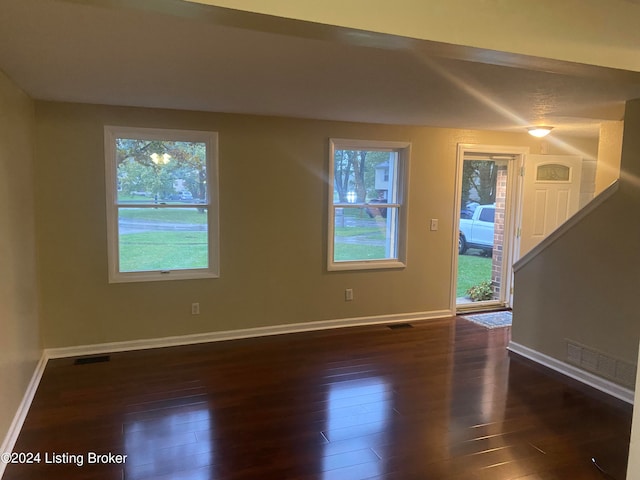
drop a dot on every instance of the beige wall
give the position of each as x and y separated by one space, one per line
583 287
609 154
273 228
633 466
19 332
630 163
630 176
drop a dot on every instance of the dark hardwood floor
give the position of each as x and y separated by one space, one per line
441 400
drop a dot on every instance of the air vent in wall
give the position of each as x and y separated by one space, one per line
87 360
601 364
398 326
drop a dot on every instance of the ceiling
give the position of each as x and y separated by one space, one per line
173 54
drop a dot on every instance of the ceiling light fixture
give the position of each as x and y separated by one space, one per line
539 131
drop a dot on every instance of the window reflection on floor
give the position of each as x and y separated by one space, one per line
176 446
358 419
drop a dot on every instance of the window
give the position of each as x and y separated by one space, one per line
553 173
488 214
162 204
367 211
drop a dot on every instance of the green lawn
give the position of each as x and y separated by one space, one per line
163 250
165 215
472 270
346 251
373 232
363 237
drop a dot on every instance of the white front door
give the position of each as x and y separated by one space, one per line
551 194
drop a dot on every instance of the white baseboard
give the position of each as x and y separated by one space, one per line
20 416
594 381
576 373
50 353
128 345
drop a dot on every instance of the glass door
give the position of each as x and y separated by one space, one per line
483 231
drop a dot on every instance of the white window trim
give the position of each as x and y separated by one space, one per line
403 149
211 141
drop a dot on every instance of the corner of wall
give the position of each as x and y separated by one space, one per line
20 342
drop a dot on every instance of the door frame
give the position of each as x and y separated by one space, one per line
512 217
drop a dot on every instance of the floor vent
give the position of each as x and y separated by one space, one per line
398 326
601 364
87 360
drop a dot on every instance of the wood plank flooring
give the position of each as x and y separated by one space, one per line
442 400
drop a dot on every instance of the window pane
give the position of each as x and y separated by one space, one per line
553 173
488 215
153 239
152 171
365 176
365 234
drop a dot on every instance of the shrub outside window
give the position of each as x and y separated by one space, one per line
367 207
162 204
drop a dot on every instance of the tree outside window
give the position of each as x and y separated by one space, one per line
162 220
367 214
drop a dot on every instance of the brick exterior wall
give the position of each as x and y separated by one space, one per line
498 232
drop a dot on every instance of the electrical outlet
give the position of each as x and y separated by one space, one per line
348 295
195 309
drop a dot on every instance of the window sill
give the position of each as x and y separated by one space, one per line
161 277
366 265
